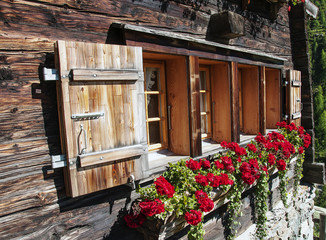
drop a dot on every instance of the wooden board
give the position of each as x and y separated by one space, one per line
293 96
273 97
235 114
195 119
262 99
177 90
220 82
250 100
123 121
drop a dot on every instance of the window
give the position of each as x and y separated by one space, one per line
205 102
155 101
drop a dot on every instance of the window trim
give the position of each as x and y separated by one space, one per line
162 106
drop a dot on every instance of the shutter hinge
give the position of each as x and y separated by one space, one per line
58 161
285 83
285 117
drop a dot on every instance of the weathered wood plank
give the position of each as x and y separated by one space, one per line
262 99
103 75
234 89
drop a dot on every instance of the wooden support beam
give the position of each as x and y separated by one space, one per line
322 225
262 100
194 107
234 83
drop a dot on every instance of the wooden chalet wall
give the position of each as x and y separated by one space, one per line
33 204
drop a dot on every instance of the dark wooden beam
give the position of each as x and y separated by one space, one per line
234 84
194 107
262 100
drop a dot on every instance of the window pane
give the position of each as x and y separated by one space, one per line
203 102
152 79
154 132
204 124
153 105
202 82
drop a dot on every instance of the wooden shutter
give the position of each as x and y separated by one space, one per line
102 118
293 98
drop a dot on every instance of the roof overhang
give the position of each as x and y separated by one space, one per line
154 37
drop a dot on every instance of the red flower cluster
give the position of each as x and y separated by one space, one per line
193 217
205 164
250 171
201 179
163 187
306 140
240 151
281 165
216 181
301 150
134 221
271 159
252 147
150 208
226 163
193 165
206 204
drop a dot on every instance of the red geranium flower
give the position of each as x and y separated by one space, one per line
201 179
271 159
219 165
200 194
150 208
206 204
281 165
163 187
301 150
193 165
205 164
193 217
134 221
252 147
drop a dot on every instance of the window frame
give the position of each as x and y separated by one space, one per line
208 102
162 119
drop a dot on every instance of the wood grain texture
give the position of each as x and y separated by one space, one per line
194 106
117 128
178 100
293 97
220 81
262 99
235 112
273 97
250 99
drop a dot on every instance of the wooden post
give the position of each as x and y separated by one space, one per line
322 223
262 100
234 84
194 105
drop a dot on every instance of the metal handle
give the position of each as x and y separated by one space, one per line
169 116
82 130
213 111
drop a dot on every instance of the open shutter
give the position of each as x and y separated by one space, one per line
102 118
293 98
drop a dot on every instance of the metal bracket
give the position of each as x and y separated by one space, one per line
131 182
82 131
87 116
285 117
58 161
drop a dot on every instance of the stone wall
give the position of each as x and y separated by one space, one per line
294 222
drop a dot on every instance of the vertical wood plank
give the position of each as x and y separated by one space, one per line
234 84
262 99
322 223
273 97
177 99
195 124
220 81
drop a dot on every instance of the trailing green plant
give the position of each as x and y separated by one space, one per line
185 189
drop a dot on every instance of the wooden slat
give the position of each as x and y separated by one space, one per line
273 97
262 99
110 155
104 75
177 99
195 119
234 88
293 98
220 81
